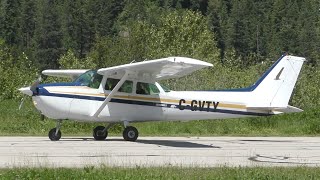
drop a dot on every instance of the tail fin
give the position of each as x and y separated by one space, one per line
274 88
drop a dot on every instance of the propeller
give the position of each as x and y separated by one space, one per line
30 91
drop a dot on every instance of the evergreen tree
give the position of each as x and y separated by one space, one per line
105 14
78 28
308 38
218 15
284 34
27 23
47 41
9 22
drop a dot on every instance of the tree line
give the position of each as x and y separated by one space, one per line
47 29
236 36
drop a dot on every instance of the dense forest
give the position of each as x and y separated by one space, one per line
241 38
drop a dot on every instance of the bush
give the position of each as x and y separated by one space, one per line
16 72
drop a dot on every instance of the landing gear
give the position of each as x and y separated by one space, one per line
55 133
100 133
130 133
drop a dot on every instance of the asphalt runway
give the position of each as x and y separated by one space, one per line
160 151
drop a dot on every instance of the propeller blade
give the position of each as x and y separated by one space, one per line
21 103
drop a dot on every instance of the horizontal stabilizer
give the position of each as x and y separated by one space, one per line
289 109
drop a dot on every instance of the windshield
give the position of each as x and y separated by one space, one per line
90 78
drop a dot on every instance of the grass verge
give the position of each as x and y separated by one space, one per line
27 122
162 173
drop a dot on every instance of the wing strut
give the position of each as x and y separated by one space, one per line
114 90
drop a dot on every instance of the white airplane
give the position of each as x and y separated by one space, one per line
129 93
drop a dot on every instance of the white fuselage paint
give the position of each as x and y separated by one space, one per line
166 106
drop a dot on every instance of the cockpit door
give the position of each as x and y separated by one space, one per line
147 102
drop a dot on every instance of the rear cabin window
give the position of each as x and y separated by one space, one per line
126 86
147 88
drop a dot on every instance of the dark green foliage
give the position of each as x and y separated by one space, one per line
241 38
10 20
27 24
268 28
47 42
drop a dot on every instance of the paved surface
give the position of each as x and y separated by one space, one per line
160 151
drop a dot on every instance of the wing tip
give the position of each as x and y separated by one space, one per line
189 61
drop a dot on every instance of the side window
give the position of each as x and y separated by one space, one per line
126 86
146 88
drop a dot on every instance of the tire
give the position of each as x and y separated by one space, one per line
52 135
130 133
98 135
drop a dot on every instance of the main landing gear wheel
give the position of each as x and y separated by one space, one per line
130 133
54 135
99 134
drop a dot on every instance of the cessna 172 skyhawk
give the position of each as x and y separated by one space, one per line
129 93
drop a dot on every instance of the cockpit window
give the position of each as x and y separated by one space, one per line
126 86
90 78
147 88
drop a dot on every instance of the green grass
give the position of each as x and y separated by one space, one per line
27 122
162 173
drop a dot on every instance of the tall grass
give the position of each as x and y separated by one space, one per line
162 173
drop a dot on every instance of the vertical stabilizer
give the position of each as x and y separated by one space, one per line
275 87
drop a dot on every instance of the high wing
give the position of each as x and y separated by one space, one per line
67 73
159 69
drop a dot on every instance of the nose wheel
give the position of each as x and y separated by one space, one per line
55 133
130 133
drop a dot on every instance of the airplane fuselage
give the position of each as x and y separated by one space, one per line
81 102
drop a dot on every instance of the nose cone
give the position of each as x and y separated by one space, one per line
26 90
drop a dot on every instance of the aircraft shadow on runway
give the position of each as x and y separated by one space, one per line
169 143
182 144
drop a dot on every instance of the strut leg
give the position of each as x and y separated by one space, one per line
125 124
58 126
108 127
